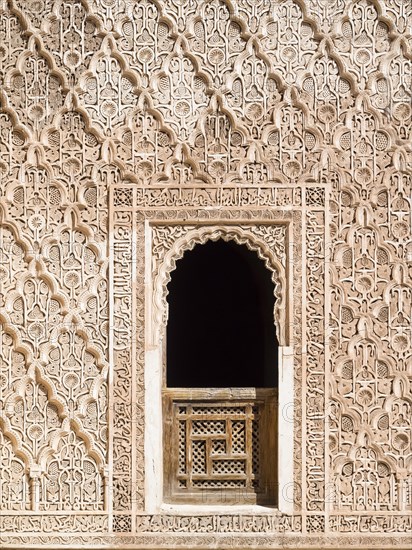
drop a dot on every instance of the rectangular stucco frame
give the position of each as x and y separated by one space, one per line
151 232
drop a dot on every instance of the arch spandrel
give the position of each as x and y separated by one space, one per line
258 241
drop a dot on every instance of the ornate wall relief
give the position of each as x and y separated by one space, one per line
124 121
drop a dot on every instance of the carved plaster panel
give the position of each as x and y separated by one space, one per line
284 124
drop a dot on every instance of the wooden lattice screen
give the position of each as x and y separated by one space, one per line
221 445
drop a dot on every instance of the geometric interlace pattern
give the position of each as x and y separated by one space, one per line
297 104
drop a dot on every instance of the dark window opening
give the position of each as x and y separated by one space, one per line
220 331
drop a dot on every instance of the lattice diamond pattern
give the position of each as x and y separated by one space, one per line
111 110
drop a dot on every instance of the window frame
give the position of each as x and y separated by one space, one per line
181 237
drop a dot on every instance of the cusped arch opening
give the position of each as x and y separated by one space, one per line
220 329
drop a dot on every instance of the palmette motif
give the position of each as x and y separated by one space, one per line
122 120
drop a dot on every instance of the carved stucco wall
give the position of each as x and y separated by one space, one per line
124 118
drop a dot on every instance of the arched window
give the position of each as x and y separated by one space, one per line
221 377
220 331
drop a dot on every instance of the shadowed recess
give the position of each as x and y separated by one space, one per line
221 331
